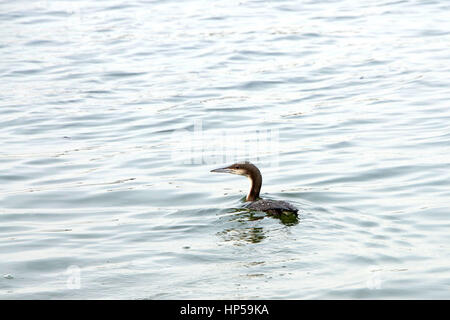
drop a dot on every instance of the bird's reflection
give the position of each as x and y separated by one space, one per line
242 229
251 235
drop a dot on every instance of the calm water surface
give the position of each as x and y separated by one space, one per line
101 196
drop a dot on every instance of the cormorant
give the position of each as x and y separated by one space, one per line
249 170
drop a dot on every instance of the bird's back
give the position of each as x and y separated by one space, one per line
274 207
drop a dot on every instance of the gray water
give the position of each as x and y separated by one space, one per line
110 117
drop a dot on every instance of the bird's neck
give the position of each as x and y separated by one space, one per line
256 182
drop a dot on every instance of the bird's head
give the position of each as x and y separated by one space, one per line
241 168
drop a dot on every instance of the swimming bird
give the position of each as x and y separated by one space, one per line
250 171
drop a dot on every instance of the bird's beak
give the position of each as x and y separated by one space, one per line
223 170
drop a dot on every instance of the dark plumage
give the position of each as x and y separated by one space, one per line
274 207
249 170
